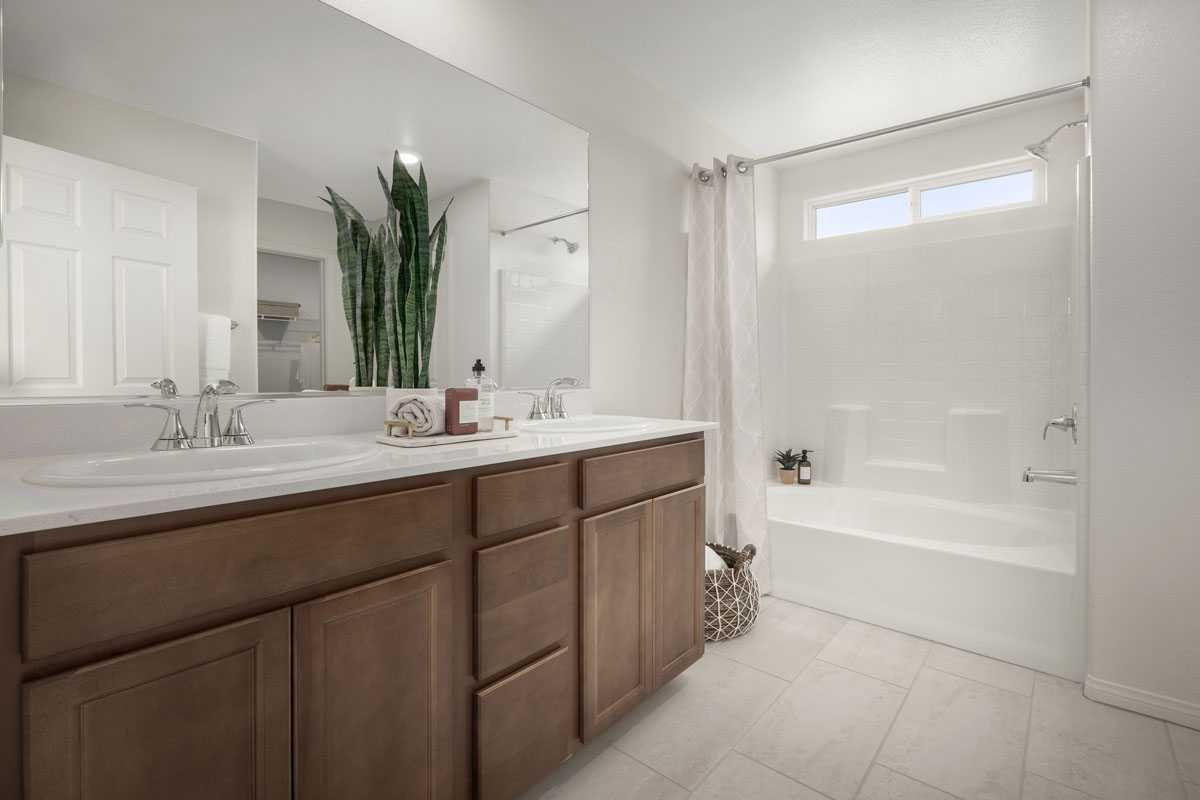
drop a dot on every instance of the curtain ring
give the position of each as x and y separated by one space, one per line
705 177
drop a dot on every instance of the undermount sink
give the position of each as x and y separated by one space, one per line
596 424
198 464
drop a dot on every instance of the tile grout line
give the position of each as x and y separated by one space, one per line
1175 759
732 747
1028 729
749 757
875 756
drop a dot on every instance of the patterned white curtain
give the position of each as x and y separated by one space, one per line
721 365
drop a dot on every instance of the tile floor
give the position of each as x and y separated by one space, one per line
813 706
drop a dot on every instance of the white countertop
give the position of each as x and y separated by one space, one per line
25 507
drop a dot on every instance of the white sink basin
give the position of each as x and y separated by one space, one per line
198 464
596 424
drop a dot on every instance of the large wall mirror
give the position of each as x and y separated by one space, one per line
164 163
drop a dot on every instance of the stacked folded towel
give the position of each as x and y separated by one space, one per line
425 412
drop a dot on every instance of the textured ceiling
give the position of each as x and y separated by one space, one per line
781 74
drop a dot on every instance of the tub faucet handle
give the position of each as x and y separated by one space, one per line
1065 423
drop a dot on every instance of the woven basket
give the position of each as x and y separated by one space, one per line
730 595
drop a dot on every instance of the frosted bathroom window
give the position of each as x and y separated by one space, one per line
874 213
961 198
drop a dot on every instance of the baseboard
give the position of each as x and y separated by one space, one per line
1181 712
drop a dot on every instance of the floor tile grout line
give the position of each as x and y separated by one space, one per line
1028 697
1060 783
1175 758
883 740
1025 749
784 774
873 677
731 748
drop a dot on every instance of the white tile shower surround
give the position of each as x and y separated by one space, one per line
912 335
543 328
812 706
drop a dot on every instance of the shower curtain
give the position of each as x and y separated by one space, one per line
721 364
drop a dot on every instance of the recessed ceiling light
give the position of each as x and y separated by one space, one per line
410 158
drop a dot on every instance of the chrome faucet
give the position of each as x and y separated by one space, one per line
1064 423
166 387
235 431
173 436
1067 476
550 405
207 430
554 403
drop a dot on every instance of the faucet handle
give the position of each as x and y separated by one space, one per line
221 386
166 387
560 410
173 436
1065 422
235 432
537 410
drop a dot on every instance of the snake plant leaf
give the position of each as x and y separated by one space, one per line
438 245
375 263
353 246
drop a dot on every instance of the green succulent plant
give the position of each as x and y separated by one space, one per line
786 459
390 281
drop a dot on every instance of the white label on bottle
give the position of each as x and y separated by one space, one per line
487 406
806 473
468 412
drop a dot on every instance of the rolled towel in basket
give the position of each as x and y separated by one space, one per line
425 412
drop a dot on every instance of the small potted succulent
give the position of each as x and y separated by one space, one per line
787 461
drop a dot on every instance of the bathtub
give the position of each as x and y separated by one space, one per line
996 580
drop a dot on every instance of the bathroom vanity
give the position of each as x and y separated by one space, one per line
455 628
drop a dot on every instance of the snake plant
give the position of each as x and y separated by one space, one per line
390 281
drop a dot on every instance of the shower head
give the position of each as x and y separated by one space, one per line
572 247
1042 149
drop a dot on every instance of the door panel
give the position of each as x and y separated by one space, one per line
371 690
196 718
616 584
106 257
678 582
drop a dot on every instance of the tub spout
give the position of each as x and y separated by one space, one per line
1067 476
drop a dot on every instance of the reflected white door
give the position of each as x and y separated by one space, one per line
98 274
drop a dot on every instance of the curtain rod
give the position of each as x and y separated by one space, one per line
743 166
544 221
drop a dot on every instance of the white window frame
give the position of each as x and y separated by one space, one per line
914 186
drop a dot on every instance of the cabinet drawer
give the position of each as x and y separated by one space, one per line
513 500
608 479
203 716
522 599
80 596
522 727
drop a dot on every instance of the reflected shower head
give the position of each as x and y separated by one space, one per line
572 247
1042 149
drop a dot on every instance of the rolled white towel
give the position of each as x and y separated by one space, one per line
713 560
425 412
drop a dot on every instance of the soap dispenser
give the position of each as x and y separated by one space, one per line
487 395
804 475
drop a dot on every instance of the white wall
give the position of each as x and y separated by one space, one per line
950 339
223 168
1144 638
640 148
465 307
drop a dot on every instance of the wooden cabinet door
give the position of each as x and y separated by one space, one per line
371 690
617 606
197 718
678 582
523 723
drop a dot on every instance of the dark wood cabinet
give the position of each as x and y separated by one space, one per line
642 602
522 726
198 718
371 690
617 608
678 583
426 637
